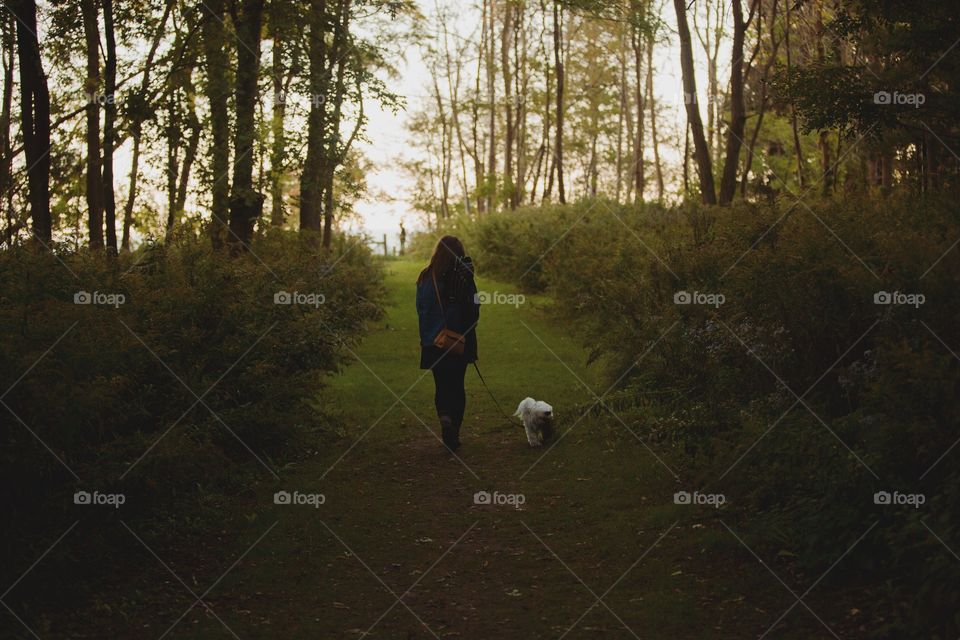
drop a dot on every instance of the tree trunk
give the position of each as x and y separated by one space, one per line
453 95
639 169
550 159
558 65
738 110
35 118
278 150
109 128
136 128
173 135
444 149
336 152
521 78
823 140
246 203
793 112
505 45
491 179
8 52
193 142
701 152
592 165
311 203
651 100
216 52
91 30
478 168
761 110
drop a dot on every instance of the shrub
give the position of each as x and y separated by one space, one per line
197 379
878 381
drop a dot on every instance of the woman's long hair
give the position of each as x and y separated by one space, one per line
448 249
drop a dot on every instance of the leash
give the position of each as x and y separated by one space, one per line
492 397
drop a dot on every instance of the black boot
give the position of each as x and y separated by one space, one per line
449 433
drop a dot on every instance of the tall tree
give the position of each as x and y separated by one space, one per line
138 112
701 151
764 93
558 66
738 110
638 47
453 72
491 69
246 203
8 51
217 55
35 117
652 103
311 203
336 149
285 65
798 150
506 42
109 126
91 30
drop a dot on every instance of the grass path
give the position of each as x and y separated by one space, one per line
400 550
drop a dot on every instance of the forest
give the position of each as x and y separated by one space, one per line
719 237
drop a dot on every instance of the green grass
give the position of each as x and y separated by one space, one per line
396 503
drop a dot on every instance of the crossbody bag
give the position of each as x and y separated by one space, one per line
448 339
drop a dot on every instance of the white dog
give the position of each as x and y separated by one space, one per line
537 418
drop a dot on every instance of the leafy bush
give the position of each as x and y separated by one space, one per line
877 382
196 378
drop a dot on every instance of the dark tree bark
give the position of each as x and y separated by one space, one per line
173 135
478 168
35 117
217 56
192 122
708 192
764 95
654 140
738 110
823 139
282 76
9 52
91 30
246 203
798 150
311 203
491 186
329 63
332 156
521 82
558 65
109 127
639 169
336 152
506 72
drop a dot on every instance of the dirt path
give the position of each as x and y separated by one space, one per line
399 549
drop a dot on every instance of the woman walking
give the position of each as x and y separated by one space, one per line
448 311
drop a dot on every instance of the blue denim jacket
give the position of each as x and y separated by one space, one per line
461 315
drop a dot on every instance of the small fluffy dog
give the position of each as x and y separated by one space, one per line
537 418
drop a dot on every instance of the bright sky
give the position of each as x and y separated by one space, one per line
388 135
387 202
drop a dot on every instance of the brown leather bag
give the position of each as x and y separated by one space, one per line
448 339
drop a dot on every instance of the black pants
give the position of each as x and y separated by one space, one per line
450 398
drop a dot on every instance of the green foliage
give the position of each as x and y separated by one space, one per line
103 385
878 382
826 97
